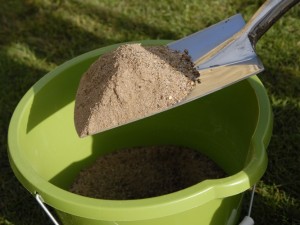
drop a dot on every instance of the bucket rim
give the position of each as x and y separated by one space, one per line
141 209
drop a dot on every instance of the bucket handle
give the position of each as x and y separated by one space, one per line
40 200
247 219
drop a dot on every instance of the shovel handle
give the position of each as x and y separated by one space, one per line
266 16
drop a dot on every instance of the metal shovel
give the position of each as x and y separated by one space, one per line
225 52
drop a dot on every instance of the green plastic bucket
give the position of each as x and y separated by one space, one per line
232 126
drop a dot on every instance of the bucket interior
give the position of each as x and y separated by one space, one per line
219 125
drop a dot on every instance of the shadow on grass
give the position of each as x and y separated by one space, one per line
284 158
17 206
48 36
264 210
52 37
283 83
120 23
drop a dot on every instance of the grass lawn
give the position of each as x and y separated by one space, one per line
38 35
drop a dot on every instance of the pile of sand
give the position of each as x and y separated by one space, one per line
130 83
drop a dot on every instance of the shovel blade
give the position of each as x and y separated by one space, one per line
228 66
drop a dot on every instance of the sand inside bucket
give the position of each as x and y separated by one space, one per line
143 172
